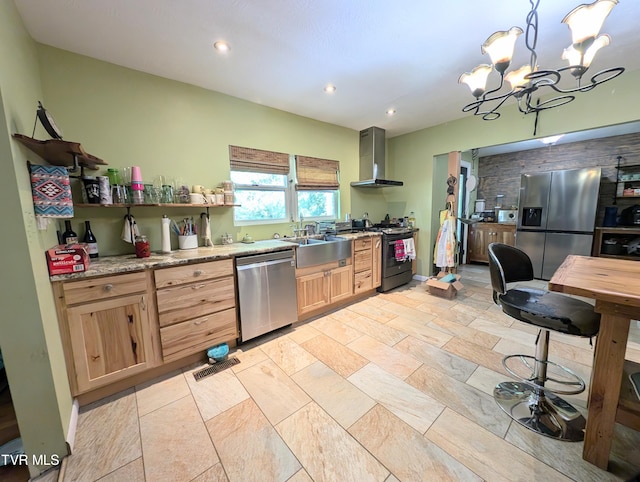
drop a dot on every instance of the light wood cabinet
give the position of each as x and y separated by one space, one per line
363 277
367 266
376 265
196 307
414 262
340 284
108 329
320 286
481 235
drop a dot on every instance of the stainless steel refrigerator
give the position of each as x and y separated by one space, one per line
556 216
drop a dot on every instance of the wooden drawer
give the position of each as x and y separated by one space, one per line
184 302
362 244
363 281
362 261
183 339
193 272
95 289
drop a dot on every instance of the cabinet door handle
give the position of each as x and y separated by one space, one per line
377 244
200 322
143 304
197 272
107 287
198 286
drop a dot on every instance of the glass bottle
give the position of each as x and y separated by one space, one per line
90 240
69 236
412 220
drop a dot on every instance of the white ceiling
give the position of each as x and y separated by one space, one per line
381 54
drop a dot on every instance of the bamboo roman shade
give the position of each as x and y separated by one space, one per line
256 160
317 174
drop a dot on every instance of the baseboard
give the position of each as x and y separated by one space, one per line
73 425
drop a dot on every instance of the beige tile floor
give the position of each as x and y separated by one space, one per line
395 387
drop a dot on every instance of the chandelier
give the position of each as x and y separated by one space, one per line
584 22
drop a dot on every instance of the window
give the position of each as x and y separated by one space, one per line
261 186
318 204
262 197
266 195
317 188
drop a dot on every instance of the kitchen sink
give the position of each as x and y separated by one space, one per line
311 251
305 241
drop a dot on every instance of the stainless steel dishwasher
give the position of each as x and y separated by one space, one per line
267 292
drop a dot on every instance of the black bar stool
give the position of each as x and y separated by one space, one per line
528 401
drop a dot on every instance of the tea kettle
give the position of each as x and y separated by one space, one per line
367 221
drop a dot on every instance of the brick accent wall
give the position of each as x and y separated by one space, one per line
500 174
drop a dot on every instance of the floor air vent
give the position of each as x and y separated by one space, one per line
215 368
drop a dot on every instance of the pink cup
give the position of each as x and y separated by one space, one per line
136 175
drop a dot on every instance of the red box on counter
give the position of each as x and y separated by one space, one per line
67 258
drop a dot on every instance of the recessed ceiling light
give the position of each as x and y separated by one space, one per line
391 111
222 46
329 88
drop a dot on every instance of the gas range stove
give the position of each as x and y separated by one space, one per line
390 229
393 230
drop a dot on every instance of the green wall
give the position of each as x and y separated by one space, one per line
131 118
29 336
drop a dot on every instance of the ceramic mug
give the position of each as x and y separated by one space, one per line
196 198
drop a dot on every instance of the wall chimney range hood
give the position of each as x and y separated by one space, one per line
372 157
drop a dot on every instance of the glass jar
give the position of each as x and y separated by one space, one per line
143 250
219 193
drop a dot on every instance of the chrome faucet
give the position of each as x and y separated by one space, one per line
297 231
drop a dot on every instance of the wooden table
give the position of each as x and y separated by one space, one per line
615 285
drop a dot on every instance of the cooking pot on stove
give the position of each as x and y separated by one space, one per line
357 224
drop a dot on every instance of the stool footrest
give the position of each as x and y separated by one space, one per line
575 380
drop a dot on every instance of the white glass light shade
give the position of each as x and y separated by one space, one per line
500 47
516 77
575 57
585 22
476 79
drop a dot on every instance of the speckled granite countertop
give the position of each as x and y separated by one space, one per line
109 265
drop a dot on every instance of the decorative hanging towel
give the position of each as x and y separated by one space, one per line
399 251
51 194
129 229
409 249
205 230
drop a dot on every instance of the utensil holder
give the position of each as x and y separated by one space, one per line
188 242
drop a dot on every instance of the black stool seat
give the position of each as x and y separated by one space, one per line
551 311
529 402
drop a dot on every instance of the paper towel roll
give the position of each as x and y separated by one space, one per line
166 234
